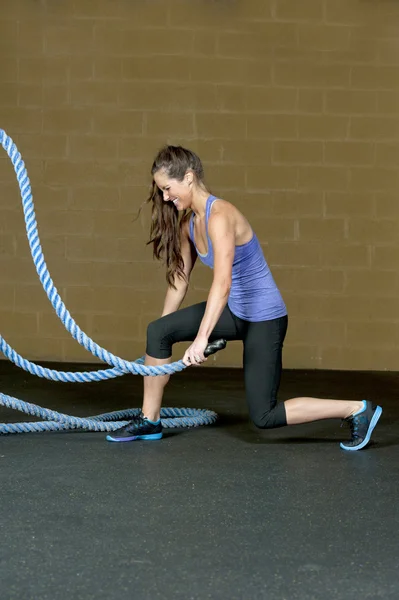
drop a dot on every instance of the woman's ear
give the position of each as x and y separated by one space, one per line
189 177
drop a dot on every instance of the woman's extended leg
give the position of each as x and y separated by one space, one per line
263 345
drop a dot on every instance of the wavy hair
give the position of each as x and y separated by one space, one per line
166 223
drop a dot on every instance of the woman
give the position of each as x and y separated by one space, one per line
244 303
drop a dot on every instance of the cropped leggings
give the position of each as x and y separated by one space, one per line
262 341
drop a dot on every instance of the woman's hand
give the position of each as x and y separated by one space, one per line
194 355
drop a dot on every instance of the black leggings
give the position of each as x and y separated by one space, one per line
263 343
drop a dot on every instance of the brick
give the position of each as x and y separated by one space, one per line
345 255
107 121
386 205
115 326
231 98
169 123
115 223
297 203
270 100
243 45
293 254
349 153
371 334
385 257
388 102
93 92
317 36
89 147
345 204
8 36
7 244
55 96
53 198
43 146
311 75
16 324
309 101
8 69
220 70
340 11
271 177
225 126
298 153
280 127
322 127
372 283
387 155
31 38
350 102
47 69
30 96
7 297
253 10
320 281
72 351
67 121
322 178
307 10
225 175
246 152
315 331
321 230
22 120
372 77
158 68
371 231
204 43
377 179
272 228
209 16
9 95
108 68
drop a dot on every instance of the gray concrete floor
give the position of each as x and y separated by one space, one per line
220 512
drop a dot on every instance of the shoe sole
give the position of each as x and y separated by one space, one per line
373 423
154 436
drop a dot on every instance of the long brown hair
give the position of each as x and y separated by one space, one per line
166 222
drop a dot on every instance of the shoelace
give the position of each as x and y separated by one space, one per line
137 420
354 424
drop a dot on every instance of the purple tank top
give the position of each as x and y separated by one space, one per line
254 295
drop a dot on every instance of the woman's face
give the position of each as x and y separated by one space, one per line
178 192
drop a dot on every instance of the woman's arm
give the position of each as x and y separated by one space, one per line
222 234
175 297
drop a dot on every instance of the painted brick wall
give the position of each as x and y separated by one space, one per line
294 109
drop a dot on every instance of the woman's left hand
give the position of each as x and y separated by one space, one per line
194 355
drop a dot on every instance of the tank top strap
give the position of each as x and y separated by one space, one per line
191 227
208 209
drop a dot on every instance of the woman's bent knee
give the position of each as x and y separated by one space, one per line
270 419
157 344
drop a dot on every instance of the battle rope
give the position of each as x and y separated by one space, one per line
58 421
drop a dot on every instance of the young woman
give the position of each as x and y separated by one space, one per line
243 303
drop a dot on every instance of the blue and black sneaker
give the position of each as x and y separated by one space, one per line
362 424
139 428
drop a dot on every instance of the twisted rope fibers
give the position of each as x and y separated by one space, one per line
58 421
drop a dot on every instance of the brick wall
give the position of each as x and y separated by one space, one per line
294 109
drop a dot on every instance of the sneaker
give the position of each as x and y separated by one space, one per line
362 424
140 428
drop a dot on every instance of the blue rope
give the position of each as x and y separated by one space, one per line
58 421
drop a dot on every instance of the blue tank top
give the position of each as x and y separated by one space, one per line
254 295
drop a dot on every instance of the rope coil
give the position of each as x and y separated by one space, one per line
58 421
